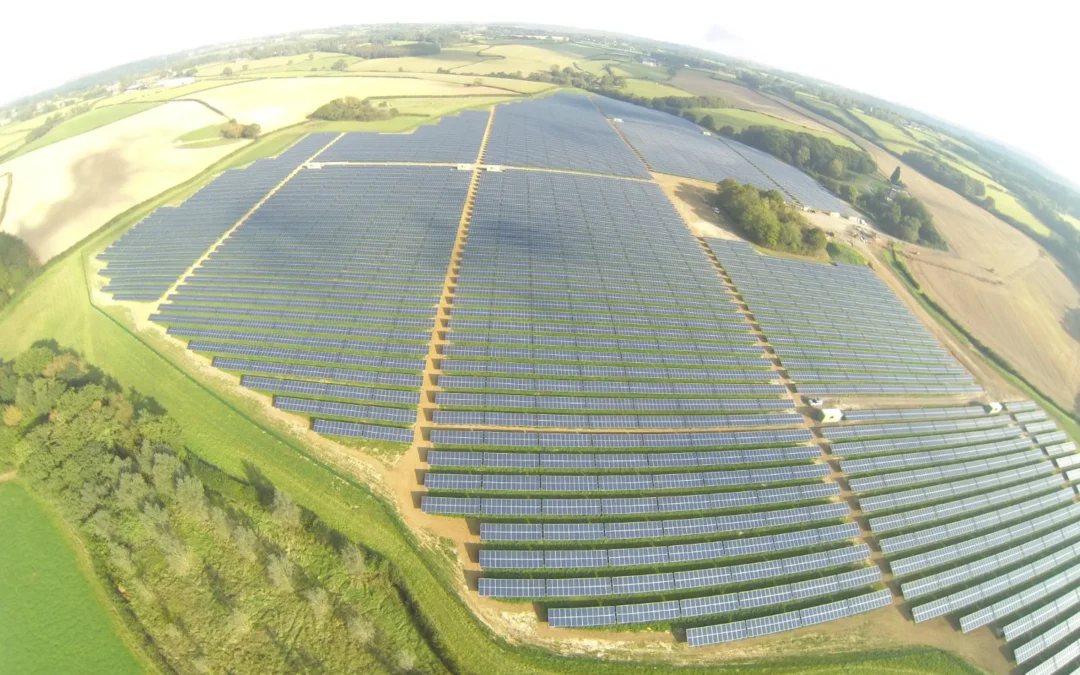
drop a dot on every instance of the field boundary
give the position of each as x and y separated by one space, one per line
992 358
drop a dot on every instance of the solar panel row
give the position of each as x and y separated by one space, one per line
708 439
489 482
667 581
620 461
812 616
662 555
651 612
996 585
656 529
626 506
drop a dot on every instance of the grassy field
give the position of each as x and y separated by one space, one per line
88 121
447 59
886 130
52 616
1070 220
1007 204
741 119
234 434
650 89
843 253
512 58
438 106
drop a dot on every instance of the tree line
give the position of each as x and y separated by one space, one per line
806 151
353 109
938 170
213 574
902 216
765 218
18 264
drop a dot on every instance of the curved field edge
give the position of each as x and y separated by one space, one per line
218 429
81 624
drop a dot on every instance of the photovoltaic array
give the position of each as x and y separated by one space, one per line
969 506
455 139
854 337
602 405
676 146
563 131
326 296
148 259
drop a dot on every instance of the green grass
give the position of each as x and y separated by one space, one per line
88 121
52 616
235 434
1008 204
887 131
740 119
1070 219
651 89
844 253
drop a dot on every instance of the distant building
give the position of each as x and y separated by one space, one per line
136 87
174 81
648 62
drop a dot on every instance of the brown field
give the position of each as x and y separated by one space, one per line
280 102
64 191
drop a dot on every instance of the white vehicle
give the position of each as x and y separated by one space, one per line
816 402
716 209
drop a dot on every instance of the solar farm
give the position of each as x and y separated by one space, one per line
618 408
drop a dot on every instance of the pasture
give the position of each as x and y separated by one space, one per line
276 103
53 618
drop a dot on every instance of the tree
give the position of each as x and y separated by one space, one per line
836 168
708 122
244 67
895 178
849 193
339 65
250 131
228 71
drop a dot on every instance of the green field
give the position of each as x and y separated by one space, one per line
1070 220
235 434
88 121
1007 204
650 89
740 119
843 253
886 130
52 617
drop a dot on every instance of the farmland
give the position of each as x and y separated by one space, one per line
53 618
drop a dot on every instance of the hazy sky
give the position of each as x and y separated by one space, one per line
1007 70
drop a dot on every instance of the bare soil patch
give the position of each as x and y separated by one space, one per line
63 192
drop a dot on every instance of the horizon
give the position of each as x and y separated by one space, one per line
918 83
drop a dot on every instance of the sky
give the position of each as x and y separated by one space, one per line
1007 71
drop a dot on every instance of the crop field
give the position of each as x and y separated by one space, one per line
64 191
278 103
88 121
52 617
512 58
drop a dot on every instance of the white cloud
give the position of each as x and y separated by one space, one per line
1005 71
